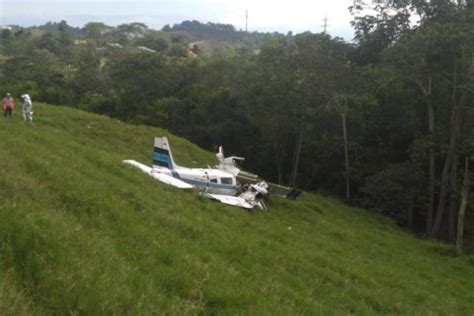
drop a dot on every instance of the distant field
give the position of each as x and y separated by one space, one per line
82 233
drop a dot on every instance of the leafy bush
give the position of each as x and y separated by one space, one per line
396 191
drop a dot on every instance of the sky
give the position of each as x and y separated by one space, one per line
263 15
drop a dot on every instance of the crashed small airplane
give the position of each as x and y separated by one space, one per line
226 183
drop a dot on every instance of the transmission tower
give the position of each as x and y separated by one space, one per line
325 24
246 20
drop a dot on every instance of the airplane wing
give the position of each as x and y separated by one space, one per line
245 176
138 165
284 192
228 199
159 176
229 164
171 181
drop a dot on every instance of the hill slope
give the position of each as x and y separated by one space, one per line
80 232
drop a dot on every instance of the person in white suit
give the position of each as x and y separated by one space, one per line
27 107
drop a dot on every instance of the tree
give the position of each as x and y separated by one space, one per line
430 56
397 191
410 59
339 104
154 40
96 31
274 95
133 30
49 42
462 208
63 26
459 52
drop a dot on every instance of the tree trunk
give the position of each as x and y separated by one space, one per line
346 154
280 178
462 208
410 216
279 152
453 200
431 159
444 185
432 166
456 121
296 158
278 162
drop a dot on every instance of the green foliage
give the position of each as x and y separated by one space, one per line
96 29
60 27
49 42
396 190
133 30
196 26
81 233
155 41
264 96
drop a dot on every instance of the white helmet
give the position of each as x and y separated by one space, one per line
26 96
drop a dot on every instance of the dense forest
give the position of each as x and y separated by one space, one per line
385 121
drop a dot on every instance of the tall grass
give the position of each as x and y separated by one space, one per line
82 233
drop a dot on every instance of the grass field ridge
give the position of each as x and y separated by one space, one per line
82 233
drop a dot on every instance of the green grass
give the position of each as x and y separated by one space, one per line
82 233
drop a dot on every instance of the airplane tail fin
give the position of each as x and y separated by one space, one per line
162 156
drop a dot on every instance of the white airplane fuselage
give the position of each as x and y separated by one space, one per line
209 180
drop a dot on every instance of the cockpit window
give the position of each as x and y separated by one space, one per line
214 180
226 180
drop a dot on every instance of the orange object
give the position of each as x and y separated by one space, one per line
5 101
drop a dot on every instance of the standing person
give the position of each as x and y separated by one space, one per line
27 107
8 104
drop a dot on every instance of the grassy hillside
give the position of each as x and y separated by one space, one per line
82 233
